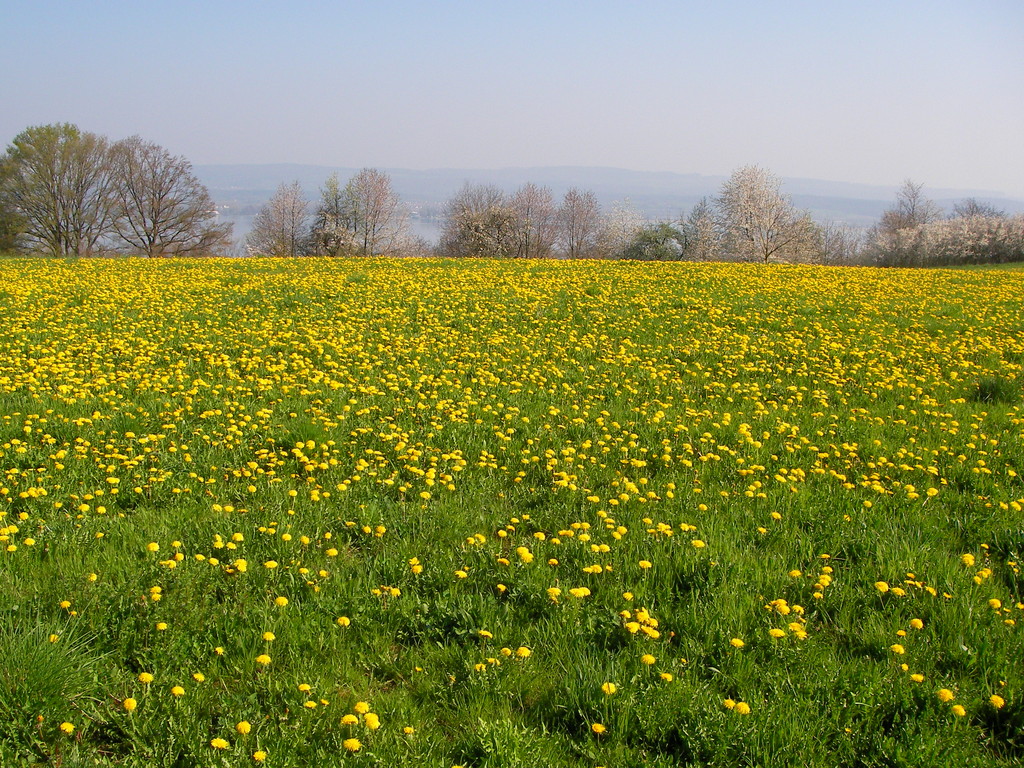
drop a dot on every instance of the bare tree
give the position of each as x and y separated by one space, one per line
580 224
700 233
60 187
363 218
164 210
281 226
536 221
478 222
912 209
758 222
838 243
971 206
374 213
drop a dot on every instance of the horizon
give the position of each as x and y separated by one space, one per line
851 92
945 192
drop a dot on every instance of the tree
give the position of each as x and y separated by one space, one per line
11 223
535 220
758 222
333 233
838 243
912 209
164 210
281 226
374 212
580 224
701 236
619 228
945 242
363 218
478 222
659 241
59 184
971 206
899 238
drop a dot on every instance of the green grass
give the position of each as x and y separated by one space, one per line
427 450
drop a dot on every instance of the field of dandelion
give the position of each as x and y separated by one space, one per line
492 513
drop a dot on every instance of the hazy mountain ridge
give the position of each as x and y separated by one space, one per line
656 194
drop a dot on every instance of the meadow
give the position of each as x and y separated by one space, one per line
502 513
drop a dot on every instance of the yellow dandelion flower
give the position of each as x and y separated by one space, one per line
742 708
219 743
736 643
958 710
67 728
997 701
129 704
598 728
648 659
945 695
353 745
609 688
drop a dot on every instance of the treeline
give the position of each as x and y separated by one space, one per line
365 217
916 233
751 219
67 192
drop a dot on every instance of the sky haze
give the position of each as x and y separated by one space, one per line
869 92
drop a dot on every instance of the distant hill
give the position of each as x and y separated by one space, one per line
658 195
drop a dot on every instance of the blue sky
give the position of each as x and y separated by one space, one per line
871 92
